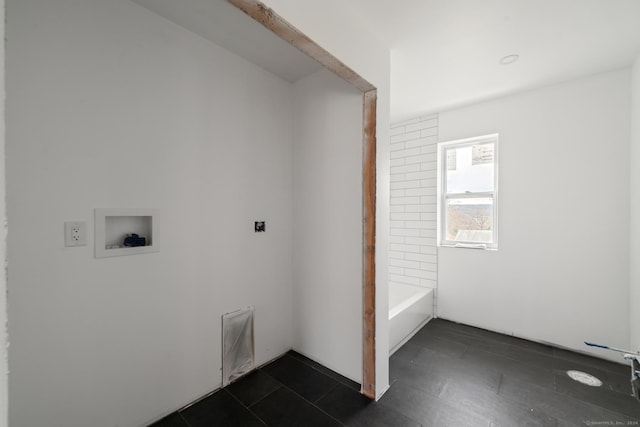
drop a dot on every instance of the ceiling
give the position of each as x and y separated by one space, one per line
446 53
223 24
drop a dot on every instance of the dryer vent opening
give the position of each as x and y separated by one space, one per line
237 345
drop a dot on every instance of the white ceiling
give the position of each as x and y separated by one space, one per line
445 53
225 25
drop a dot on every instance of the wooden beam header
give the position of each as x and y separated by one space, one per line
267 17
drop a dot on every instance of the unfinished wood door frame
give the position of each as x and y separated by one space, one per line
283 29
369 110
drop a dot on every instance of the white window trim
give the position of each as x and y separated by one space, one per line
442 195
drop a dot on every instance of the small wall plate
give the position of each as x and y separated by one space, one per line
75 233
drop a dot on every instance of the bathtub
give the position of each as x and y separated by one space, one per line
410 308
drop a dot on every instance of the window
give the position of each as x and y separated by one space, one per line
468 175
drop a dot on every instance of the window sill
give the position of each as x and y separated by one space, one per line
480 246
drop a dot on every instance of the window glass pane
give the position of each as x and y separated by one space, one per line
470 169
470 220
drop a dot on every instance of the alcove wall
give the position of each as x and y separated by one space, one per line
110 105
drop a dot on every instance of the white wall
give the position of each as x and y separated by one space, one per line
634 255
327 261
351 41
561 272
110 106
3 239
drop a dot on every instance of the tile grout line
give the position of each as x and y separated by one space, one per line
407 415
233 396
282 385
183 419
312 404
322 410
326 393
320 371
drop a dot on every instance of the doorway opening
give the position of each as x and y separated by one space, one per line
279 26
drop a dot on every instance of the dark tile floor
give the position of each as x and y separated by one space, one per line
447 375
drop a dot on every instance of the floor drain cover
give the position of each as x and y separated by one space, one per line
584 378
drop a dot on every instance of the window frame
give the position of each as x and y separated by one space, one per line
444 197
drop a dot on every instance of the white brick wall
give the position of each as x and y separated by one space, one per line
413 255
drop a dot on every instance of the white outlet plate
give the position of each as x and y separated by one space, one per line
75 233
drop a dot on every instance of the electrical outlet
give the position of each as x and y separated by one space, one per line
75 233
